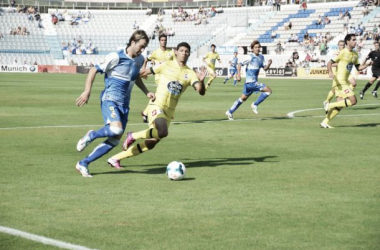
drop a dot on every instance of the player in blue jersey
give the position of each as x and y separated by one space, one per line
122 71
232 71
252 85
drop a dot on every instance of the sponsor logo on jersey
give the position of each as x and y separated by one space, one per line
175 87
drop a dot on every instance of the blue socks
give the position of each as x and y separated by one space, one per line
102 149
261 98
236 105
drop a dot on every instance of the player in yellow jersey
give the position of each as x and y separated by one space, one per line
175 77
210 59
352 77
346 59
159 56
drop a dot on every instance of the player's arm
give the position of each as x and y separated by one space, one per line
268 65
238 75
362 66
143 88
85 96
199 84
147 71
329 68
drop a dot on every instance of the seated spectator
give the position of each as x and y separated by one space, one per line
314 58
135 26
54 19
306 36
347 14
323 63
359 31
1 35
273 35
340 15
361 43
303 6
279 49
326 20
319 20
365 11
295 58
148 12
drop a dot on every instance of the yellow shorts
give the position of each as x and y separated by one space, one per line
155 112
343 91
210 70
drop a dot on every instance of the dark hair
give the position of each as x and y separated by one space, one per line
213 45
254 43
348 38
376 43
183 44
137 36
162 35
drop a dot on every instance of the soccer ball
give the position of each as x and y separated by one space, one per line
175 170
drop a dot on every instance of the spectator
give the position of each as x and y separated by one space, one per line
360 43
340 15
314 58
54 19
278 5
279 49
365 11
319 20
1 35
359 31
273 5
13 3
323 47
352 30
303 6
295 58
273 35
326 20
135 26
347 14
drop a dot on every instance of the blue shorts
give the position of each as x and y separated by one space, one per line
112 112
232 72
252 87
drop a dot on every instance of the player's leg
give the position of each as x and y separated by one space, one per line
330 95
144 114
247 91
374 92
229 76
367 86
160 124
211 78
265 92
353 83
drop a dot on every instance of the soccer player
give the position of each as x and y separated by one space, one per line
346 59
175 77
374 55
233 69
210 59
352 78
252 85
159 56
121 70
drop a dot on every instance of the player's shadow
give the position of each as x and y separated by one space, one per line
191 163
226 120
366 125
366 108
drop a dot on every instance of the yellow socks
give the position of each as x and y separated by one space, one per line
135 150
146 134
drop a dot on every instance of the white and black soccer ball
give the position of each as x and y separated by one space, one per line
175 170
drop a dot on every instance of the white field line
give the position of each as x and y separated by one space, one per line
291 114
41 239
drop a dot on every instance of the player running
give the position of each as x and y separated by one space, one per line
346 59
121 72
210 59
232 71
159 56
374 55
175 77
252 85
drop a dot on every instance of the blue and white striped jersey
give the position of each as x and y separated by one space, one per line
253 67
234 63
121 72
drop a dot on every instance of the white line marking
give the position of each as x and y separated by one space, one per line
291 114
41 239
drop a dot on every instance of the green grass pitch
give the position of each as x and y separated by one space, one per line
260 182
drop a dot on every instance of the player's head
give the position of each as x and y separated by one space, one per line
183 52
255 47
163 38
377 45
341 44
137 43
235 53
213 47
350 40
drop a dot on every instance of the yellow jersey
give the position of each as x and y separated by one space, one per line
346 61
211 59
159 56
173 81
